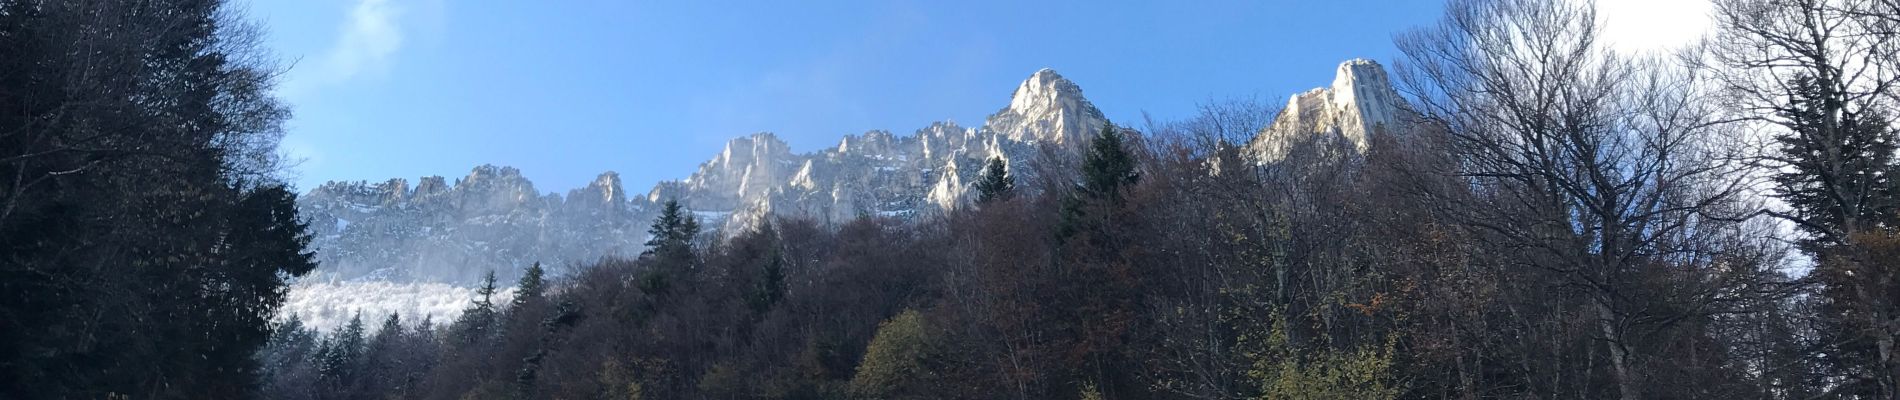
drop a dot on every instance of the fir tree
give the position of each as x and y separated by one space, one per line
997 183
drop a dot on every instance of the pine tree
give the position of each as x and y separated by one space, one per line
997 183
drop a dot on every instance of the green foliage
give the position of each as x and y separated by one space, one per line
997 183
1090 391
619 382
894 364
1284 371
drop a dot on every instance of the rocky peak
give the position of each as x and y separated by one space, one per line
604 190
1047 108
752 148
430 186
873 142
363 193
1044 89
746 169
490 171
1359 103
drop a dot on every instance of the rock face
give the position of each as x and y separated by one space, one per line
1047 108
878 173
1359 104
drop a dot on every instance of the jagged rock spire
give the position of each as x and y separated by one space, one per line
1360 103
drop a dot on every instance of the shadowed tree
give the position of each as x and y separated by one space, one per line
145 232
996 183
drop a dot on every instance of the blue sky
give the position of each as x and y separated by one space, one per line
564 90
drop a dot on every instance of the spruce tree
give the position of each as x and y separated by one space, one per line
1108 166
663 226
1839 166
670 244
485 300
769 287
531 286
1837 178
475 321
341 353
997 183
672 233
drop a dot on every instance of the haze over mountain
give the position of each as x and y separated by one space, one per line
439 231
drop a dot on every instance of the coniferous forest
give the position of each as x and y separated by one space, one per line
1554 220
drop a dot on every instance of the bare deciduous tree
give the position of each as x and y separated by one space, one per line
1604 170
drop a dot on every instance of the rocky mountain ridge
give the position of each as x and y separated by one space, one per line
494 219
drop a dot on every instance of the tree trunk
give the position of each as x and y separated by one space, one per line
1619 365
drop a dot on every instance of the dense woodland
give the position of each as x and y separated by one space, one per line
1555 219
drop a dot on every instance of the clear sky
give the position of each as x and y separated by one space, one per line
564 90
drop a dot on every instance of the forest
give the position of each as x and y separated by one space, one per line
1555 220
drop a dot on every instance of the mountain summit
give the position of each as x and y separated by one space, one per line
1047 108
1360 103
